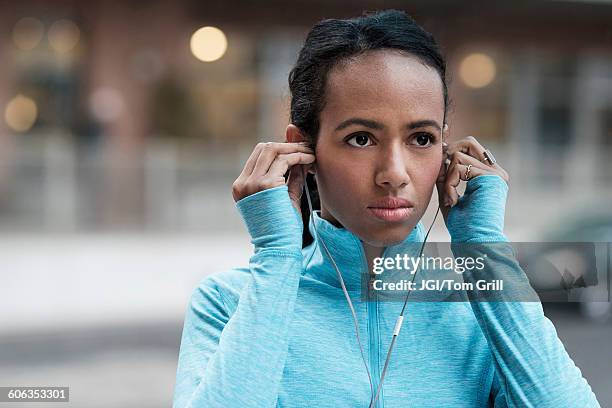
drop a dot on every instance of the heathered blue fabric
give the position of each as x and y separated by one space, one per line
279 333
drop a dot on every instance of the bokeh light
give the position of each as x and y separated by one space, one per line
27 33
20 113
208 44
477 70
106 104
63 35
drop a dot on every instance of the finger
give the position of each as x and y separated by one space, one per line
250 163
466 159
457 174
269 152
295 184
470 146
285 161
440 183
442 171
463 158
453 178
460 161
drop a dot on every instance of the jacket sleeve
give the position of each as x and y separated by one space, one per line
532 367
238 360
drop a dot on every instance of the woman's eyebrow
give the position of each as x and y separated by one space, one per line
423 123
375 125
359 121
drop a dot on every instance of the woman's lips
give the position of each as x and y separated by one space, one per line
391 214
391 208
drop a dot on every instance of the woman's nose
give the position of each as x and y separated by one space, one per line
392 169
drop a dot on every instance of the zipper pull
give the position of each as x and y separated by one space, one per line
398 325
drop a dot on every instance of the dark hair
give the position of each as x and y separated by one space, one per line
333 41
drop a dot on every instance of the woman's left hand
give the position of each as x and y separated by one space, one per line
463 153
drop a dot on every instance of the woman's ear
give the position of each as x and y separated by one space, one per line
293 134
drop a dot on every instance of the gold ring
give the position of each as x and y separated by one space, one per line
467 172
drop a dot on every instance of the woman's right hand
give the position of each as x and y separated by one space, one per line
266 168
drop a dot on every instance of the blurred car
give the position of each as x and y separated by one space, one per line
572 265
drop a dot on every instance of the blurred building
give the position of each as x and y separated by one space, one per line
118 115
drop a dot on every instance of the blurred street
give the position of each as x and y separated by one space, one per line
103 314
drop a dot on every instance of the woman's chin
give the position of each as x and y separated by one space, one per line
385 238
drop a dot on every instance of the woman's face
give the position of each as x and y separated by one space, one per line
379 137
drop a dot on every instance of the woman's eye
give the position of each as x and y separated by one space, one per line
423 139
358 140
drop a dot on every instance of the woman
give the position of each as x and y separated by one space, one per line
368 109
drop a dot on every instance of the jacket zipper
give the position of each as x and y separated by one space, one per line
374 341
374 336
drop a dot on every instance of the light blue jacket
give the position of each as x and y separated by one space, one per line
278 332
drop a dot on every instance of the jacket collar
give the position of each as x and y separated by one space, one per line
348 253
